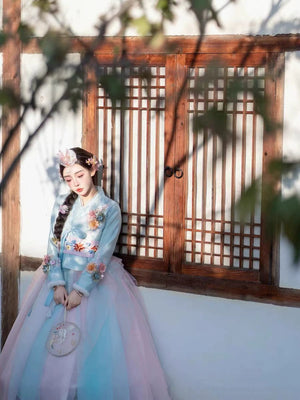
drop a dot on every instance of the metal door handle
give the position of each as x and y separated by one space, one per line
168 172
178 173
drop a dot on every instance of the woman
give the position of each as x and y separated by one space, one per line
82 283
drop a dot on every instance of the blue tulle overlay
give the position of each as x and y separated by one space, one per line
115 359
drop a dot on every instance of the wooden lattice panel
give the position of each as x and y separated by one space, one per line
131 143
219 173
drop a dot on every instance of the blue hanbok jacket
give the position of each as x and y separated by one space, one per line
87 241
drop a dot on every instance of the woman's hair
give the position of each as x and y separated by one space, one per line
82 156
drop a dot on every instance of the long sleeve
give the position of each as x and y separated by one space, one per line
96 267
51 262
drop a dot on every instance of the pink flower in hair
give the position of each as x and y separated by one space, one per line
68 158
93 161
63 209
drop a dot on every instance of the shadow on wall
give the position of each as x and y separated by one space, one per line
268 26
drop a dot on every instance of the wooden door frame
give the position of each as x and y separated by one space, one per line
11 194
175 151
241 49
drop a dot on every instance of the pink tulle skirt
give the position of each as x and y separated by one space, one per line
115 360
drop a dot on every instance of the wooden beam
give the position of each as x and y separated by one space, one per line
11 193
233 44
230 289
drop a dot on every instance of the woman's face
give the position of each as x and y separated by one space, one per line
79 180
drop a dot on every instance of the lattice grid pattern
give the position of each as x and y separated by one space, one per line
131 140
218 174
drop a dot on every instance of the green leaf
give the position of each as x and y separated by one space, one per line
248 201
114 86
74 94
279 167
46 6
25 32
142 25
204 11
54 47
9 98
235 86
3 38
157 40
213 119
164 6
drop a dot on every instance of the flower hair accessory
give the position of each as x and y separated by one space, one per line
63 209
68 158
93 161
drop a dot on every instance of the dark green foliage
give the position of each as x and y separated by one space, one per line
281 213
25 33
8 98
46 6
165 7
55 48
3 38
114 86
214 120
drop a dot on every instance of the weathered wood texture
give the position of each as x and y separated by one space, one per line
272 149
90 139
181 105
11 194
197 240
230 44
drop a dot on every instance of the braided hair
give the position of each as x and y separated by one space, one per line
82 156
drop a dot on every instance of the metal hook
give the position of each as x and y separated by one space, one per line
168 172
178 173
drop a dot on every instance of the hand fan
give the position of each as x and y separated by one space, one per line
63 338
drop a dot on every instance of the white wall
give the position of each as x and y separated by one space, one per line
217 349
239 17
211 348
40 181
289 271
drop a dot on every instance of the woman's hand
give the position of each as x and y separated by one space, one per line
60 295
73 300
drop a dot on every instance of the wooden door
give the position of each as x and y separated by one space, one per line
132 146
176 186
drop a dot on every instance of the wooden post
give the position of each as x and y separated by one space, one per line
170 149
180 165
272 149
90 136
11 193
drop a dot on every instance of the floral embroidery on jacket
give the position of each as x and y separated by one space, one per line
97 271
49 263
96 217
82 247
79 246
55 241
